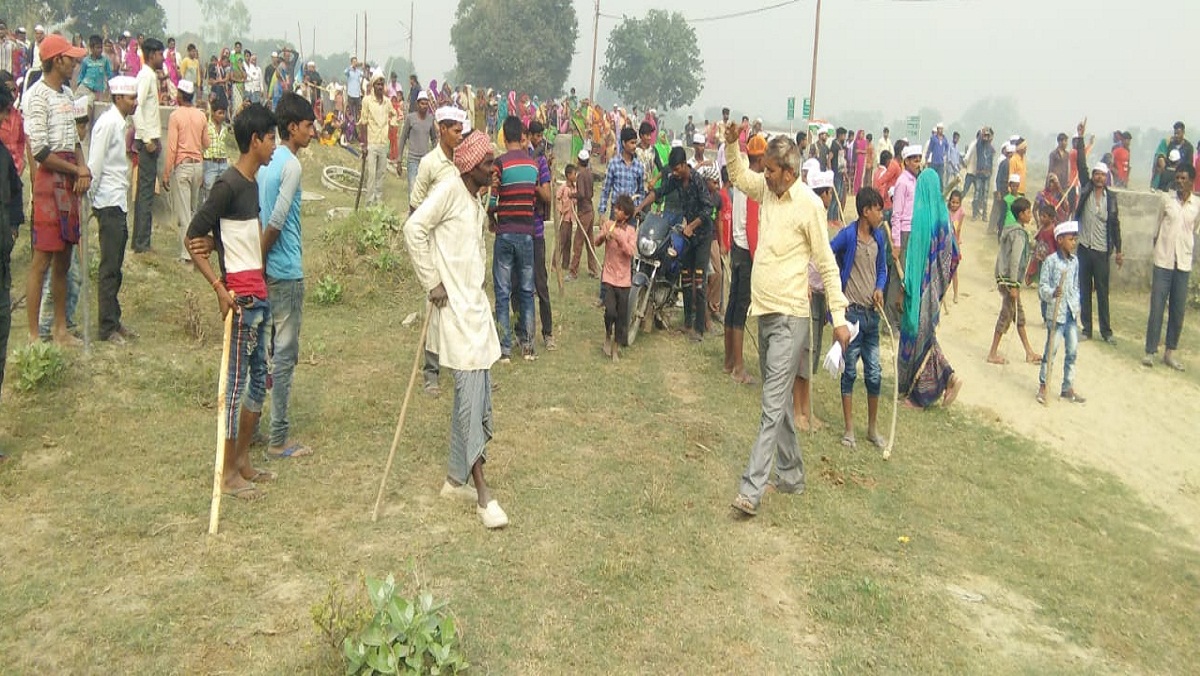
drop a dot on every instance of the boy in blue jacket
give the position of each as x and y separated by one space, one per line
861 254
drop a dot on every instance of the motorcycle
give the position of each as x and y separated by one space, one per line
655 287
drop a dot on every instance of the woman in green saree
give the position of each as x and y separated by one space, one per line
931 258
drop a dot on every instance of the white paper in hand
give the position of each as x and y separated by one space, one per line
834 360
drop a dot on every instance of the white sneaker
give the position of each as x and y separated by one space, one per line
464 492
492 516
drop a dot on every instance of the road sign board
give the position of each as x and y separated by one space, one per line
914 128
807 107
791 111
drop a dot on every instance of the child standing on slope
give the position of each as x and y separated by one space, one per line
618 237
1058 288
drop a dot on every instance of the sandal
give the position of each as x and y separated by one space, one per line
249 493
878 440
848 441
263 476
742 504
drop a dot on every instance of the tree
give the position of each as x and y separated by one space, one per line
523 45
654 62
102 17
113 16
224 20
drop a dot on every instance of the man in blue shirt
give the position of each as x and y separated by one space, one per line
354 90
938 150
279 201
95 70
625 174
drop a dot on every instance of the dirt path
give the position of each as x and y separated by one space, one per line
1139 424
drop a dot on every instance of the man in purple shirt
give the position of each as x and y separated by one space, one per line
939 148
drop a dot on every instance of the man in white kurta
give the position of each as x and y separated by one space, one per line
445 240
436 168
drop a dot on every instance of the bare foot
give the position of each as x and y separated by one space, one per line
817 424
952 390
606 348
1033 358
743 378
66 340
802 424
996 359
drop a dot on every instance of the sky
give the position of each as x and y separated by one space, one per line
1060 59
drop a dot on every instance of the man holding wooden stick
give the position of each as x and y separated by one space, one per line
445 240
228 222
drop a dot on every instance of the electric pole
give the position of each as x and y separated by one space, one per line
595 46
812 92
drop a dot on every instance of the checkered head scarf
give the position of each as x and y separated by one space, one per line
471 151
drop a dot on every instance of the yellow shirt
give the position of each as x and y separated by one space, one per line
792 230
379 116
1016 165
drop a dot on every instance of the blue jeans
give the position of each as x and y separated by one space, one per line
287 310
1067 335
46 311
414 165
247 385
865 346
212 171
513 254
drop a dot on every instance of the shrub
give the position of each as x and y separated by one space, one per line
328 291
403 636
39 365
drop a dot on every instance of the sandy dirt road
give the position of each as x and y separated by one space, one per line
1142 425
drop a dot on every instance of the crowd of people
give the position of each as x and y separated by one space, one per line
772 208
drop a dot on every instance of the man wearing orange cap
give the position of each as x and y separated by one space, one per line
61 176
444 237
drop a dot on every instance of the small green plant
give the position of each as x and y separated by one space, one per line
404 636
339 615
328 291
387 261
378 227
39 365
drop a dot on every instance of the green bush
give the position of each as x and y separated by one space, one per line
39 365
328 291
404 636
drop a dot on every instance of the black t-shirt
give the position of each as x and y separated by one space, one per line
230 215
836 149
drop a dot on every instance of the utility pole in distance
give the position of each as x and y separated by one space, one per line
595 46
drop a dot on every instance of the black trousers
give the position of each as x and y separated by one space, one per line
6 247
114 232
143 208
616 311
541 290
740 268
1093 274
693 266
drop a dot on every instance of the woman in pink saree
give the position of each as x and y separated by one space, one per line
861 150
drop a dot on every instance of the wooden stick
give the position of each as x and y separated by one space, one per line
412 379
214 512
887 451
587 236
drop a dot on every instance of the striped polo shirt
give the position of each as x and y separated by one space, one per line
518 189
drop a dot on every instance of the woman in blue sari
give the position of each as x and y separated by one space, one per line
930 261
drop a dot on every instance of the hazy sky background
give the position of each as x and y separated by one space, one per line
1060 59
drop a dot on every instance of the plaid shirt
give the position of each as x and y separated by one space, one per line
218 142
623 179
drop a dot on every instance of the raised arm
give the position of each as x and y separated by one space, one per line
752 184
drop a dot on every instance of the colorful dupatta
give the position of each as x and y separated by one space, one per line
930 262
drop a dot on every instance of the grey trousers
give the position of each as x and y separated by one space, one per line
1168 293
377 165
470 422
783 343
